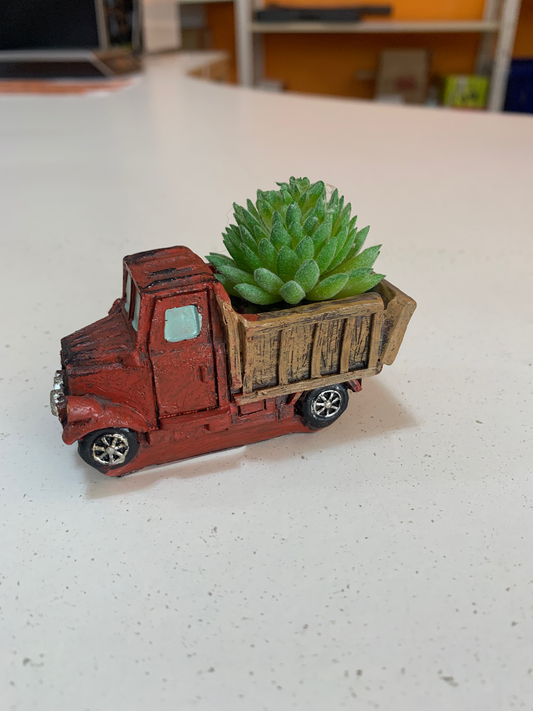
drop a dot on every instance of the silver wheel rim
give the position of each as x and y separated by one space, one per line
327 404
110 449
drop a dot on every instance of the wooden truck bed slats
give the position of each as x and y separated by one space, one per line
298 349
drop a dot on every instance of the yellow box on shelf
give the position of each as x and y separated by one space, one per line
465 91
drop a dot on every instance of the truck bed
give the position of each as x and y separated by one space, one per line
300 348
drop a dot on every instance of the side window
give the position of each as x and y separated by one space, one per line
182 323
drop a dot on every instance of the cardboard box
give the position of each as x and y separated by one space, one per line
403 76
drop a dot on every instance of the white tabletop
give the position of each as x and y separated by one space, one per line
385 562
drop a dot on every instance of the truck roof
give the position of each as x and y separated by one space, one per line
159 268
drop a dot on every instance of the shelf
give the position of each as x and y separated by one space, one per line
200 2
374 27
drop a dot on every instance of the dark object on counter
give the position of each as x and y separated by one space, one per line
59 39
520 87
67 64
283 13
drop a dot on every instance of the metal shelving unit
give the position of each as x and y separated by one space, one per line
497 27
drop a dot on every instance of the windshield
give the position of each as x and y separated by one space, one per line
127 297
136 311
132 302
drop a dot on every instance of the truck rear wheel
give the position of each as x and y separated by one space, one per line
109 449
323 406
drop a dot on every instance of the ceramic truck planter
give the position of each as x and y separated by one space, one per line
174 371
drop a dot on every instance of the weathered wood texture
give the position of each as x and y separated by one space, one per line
297 349
398 311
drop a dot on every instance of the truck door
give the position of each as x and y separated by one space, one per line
181 351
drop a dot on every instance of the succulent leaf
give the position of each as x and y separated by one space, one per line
323 233
305 249
314 193
221 260
268 254
292 292
253 211
236 252
268 281
294 244
364 259
360 238
236 275
228 284
326 254
310 225
320 207
279 235
253 261
247 238
294 214
256 295
307 275
266 211
341 256
288 263
328 287
359 284
296 232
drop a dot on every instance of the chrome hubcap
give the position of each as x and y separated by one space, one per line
110 449
327 404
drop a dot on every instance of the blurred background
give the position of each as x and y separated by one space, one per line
470 54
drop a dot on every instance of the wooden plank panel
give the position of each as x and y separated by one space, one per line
318 344
347 338
299 366
330 356
360 340
375 339
311 313
233 344
305 385
247 381
266 347
399 309
286 343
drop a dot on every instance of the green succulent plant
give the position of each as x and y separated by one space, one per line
295 244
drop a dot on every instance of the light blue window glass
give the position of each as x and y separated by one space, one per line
128 294
182 323
136 312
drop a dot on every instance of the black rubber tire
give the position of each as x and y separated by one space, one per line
126 447
314 406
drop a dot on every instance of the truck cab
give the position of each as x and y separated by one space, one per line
152 372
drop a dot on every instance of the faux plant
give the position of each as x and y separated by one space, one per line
295 244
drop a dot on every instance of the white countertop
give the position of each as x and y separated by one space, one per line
383 563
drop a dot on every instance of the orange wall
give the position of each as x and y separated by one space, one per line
220 20
523 46
328 64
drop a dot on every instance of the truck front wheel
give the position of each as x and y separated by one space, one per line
323 406
109 449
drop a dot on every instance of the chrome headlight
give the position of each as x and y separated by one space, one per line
57 394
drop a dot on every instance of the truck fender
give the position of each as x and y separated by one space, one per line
87 413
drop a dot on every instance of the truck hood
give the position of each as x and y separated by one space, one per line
103 342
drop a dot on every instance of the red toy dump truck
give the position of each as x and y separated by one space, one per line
175 371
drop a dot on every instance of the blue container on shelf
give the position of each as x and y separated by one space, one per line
520 87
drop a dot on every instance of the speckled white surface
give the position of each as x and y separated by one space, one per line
385 563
